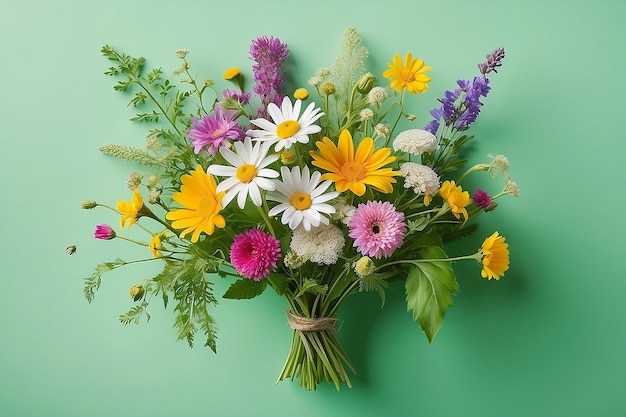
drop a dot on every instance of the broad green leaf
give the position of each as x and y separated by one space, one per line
429 288
278 282
245 289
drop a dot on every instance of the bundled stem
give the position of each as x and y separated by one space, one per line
315 353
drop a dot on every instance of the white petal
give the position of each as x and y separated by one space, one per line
222 170
265 184
275 113
255 194
230 156
242 196
278 209
295 220
227 184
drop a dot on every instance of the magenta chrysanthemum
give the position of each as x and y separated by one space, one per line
377 228
481 198
104 232
214 131
254 254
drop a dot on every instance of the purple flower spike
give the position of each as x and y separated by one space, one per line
494 60
268 55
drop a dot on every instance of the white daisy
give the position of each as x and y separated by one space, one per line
247 174
288 127
301 198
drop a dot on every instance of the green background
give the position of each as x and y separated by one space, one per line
547 340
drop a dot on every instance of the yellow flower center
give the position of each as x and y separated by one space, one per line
246 173
206 206
353 171
287 129
300 201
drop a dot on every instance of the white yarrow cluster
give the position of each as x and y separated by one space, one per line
499 164
415 141
421 178
381 130
366 114
321 245
377 96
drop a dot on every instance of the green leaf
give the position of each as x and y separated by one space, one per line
133 315
429 288
245 289
92 283
278 282
311 286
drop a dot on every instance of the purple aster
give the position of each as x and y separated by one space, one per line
215 130
481 199
268 55
377 228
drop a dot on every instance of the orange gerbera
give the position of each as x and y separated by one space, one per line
409 75
130 209
456 198
495 257
351 170
201 205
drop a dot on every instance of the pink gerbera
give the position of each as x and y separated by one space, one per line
254 253
215 130
377 228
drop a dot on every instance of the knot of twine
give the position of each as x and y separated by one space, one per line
305 324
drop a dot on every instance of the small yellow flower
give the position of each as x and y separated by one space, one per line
495 257
130 210
353 170
456 198
364 266
301 94
409 75
231 73
156 244
328 88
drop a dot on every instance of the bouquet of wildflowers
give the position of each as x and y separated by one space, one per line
312 193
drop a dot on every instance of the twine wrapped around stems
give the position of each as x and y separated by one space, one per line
305 324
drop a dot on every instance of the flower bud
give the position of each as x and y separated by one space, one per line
410 117
301 94
209 83
232 73
364 266
136 292
182 53
104 232
287 157
88 204
70 250
365 83
328 88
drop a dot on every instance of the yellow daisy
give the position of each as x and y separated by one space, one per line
456 198
495 258
409 75
351 170
201 205
130 209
